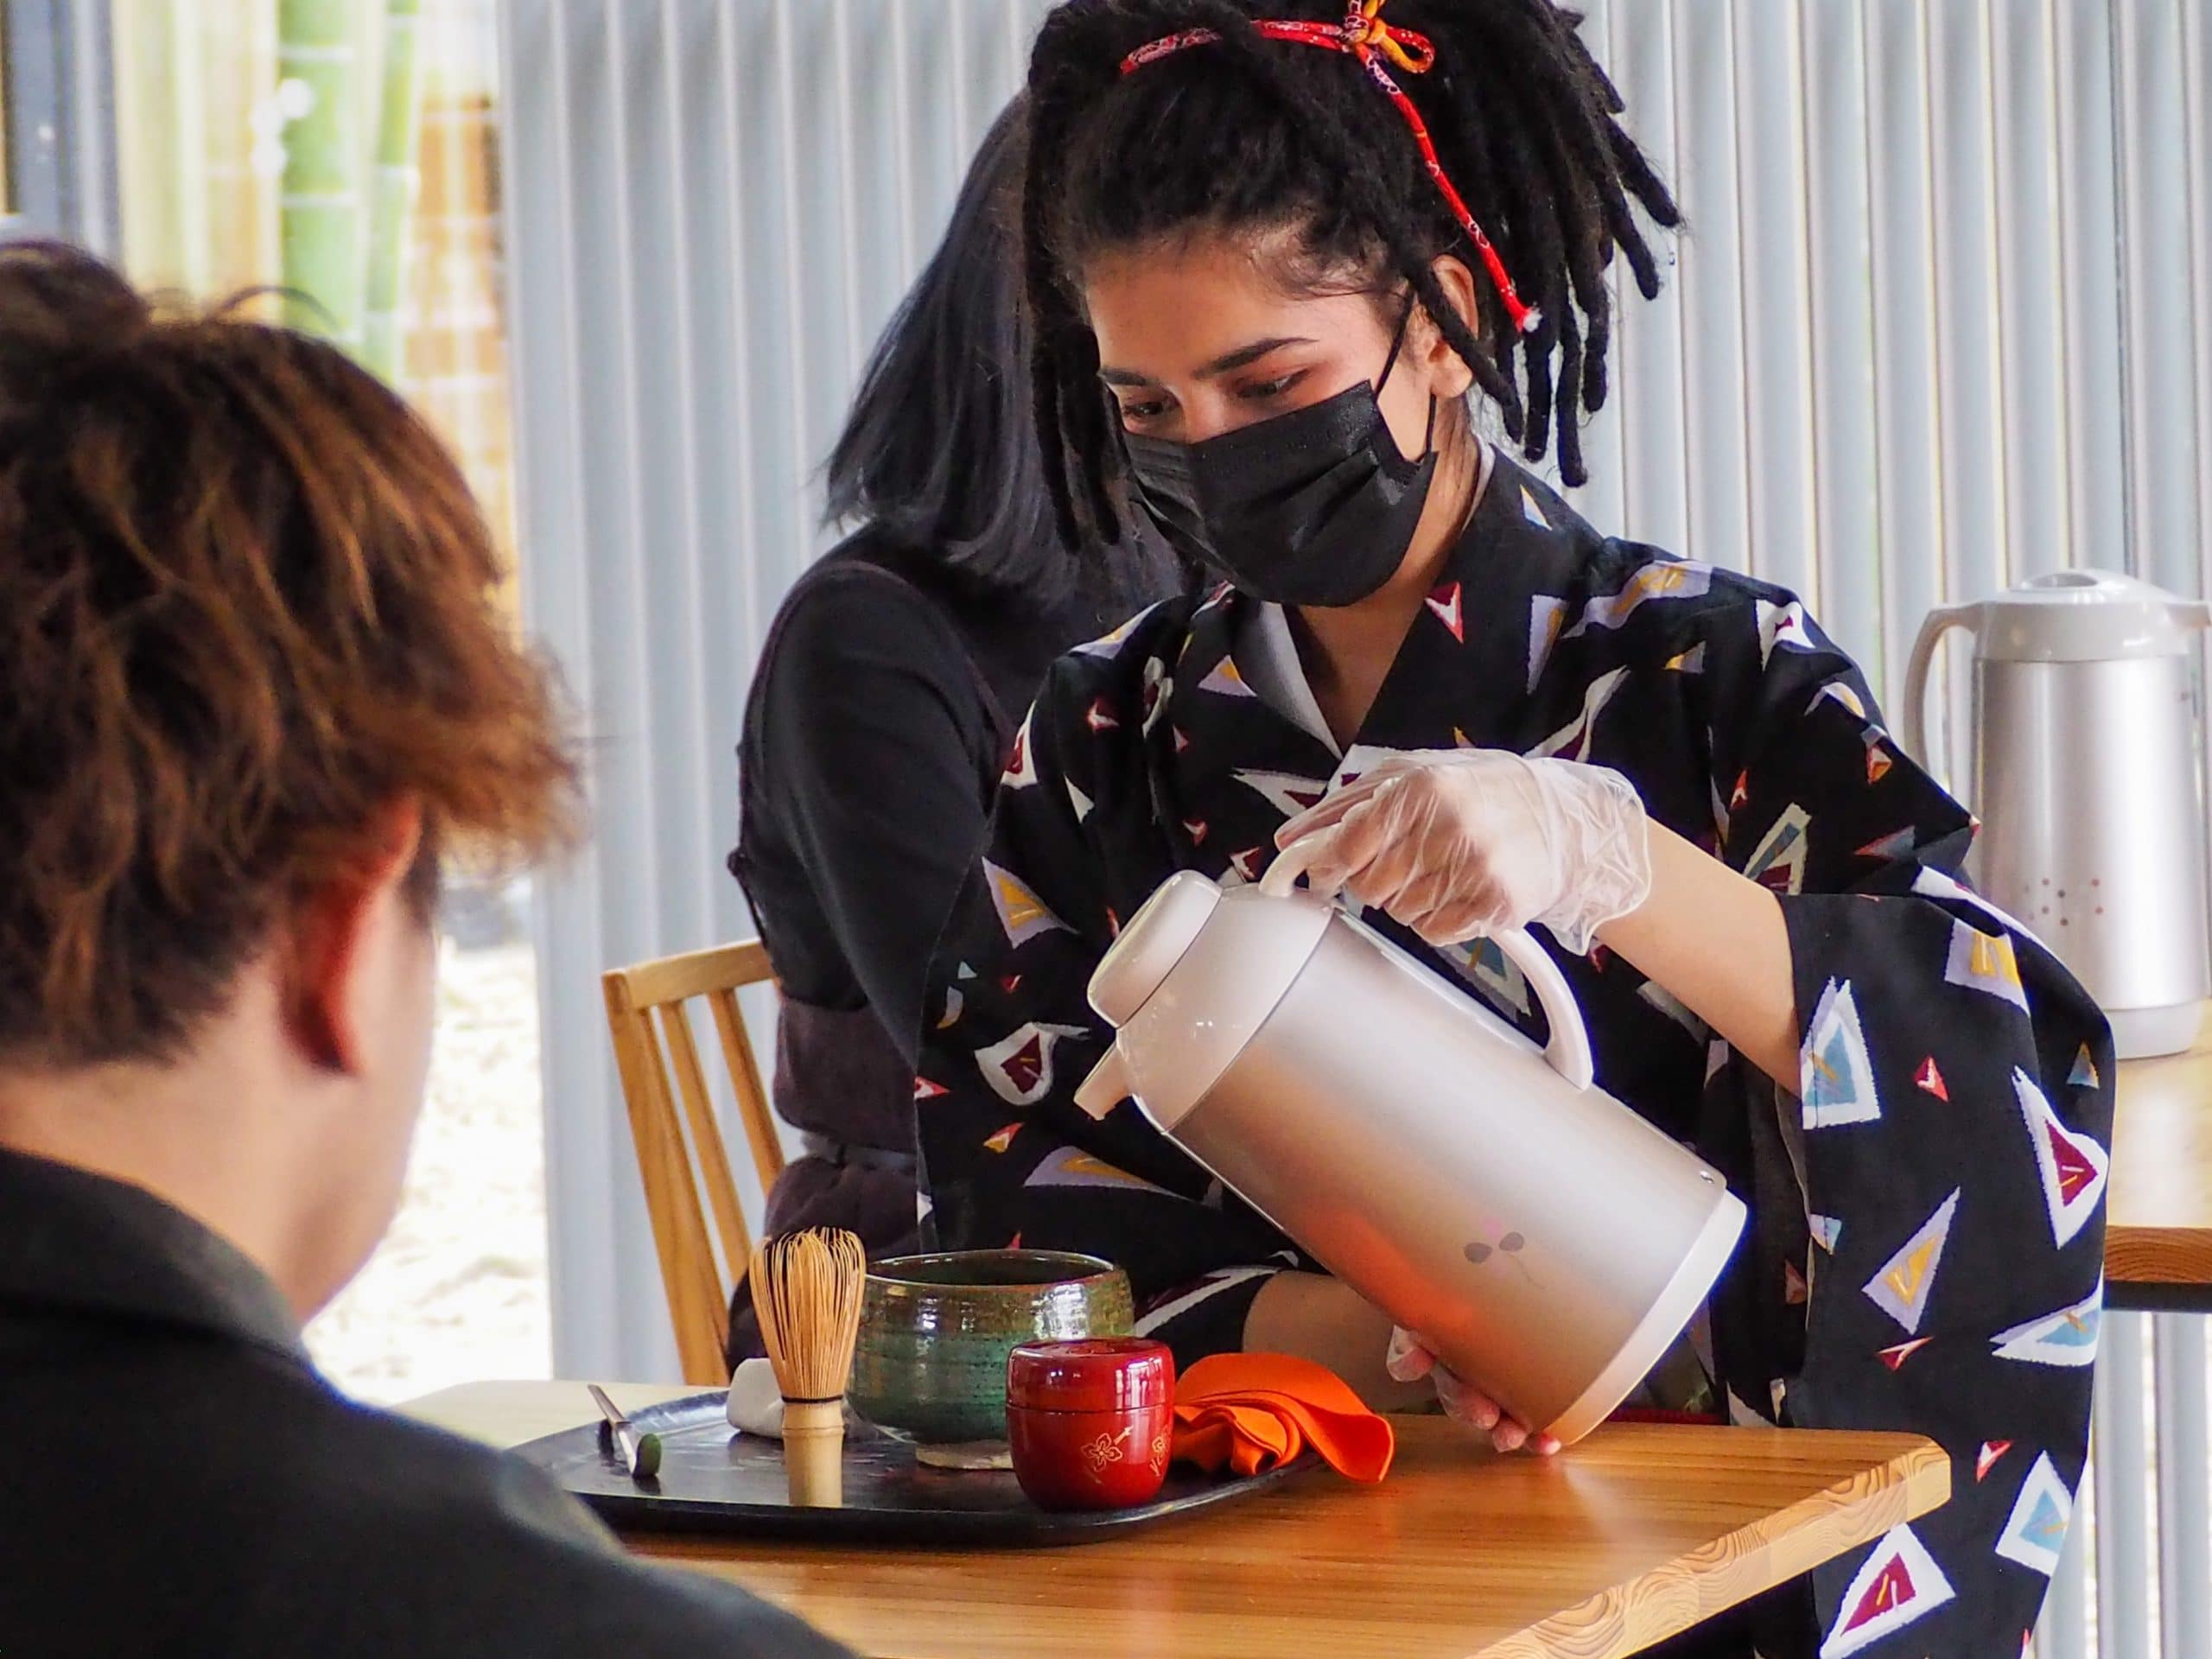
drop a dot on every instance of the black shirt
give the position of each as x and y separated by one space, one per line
870 757
179 1480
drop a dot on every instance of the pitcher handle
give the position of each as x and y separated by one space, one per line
1940 621
1569 1049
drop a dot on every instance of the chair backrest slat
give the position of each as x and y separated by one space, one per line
652 1037
753 1109
710 1156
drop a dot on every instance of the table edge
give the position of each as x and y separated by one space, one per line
1919 1476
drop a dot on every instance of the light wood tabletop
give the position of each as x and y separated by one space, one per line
2159 1214
1638 1532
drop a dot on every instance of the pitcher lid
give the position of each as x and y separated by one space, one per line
1151 943
2086 616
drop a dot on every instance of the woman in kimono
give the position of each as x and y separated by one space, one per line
1272 255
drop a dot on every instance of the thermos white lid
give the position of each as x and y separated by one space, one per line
2073 616
1150 945
1192 987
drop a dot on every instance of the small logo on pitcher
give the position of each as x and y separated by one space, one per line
1509 1246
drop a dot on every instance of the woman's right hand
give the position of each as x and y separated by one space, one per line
1410 1359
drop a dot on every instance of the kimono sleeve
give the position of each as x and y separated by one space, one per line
1948 1145
1007 1156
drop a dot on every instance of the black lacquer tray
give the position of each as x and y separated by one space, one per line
714 1479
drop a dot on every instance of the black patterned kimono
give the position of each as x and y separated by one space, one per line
1927 1233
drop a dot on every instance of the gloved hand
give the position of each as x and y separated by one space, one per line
1456 843
1409 1360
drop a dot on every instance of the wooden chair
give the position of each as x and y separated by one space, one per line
646 1013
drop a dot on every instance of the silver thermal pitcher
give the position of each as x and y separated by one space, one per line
1549 1243
2087 777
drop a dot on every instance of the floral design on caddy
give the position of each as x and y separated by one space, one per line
1106 1449
1159 1454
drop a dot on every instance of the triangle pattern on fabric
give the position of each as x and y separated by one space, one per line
2035 1535
1895 1357
1931 883
1577 734
1836 1076
2084 1074
2073 1167
1019 773
1021 912
1019 1068
1991 1451
1071 1167
1840 693
1785 625
1488 968
1110 644
1227 680
1898 1585
1985 961
1902 1287
1896 844
1546 615
2066 1338
1677 579
1447 605
1778 862
1158 687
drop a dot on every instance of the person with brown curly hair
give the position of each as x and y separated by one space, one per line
255 692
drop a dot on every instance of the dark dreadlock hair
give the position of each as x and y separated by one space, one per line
1248 134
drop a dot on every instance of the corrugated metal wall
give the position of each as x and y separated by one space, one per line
1943 320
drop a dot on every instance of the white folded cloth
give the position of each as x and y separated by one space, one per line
756 1404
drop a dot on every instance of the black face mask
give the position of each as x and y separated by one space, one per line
1314 507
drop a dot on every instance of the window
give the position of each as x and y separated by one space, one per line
348 152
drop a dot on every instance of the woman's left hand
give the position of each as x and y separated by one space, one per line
1410 1360
1457 843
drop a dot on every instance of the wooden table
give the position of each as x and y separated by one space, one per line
1635 1535
2158 1218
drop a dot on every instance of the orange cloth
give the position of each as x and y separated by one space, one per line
1248 1413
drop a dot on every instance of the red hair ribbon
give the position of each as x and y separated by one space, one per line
1365 36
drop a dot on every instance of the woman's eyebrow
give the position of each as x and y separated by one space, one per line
1228 363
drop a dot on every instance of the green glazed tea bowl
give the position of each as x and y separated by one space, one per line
936 1330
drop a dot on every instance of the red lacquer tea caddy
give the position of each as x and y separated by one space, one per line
1089 1423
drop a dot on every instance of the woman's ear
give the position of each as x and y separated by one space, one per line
1448 373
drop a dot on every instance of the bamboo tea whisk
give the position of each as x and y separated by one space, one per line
806 1288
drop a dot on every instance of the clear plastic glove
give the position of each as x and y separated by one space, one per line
1457 843
1409 1360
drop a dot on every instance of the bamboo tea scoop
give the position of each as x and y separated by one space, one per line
806 1288
640 1453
